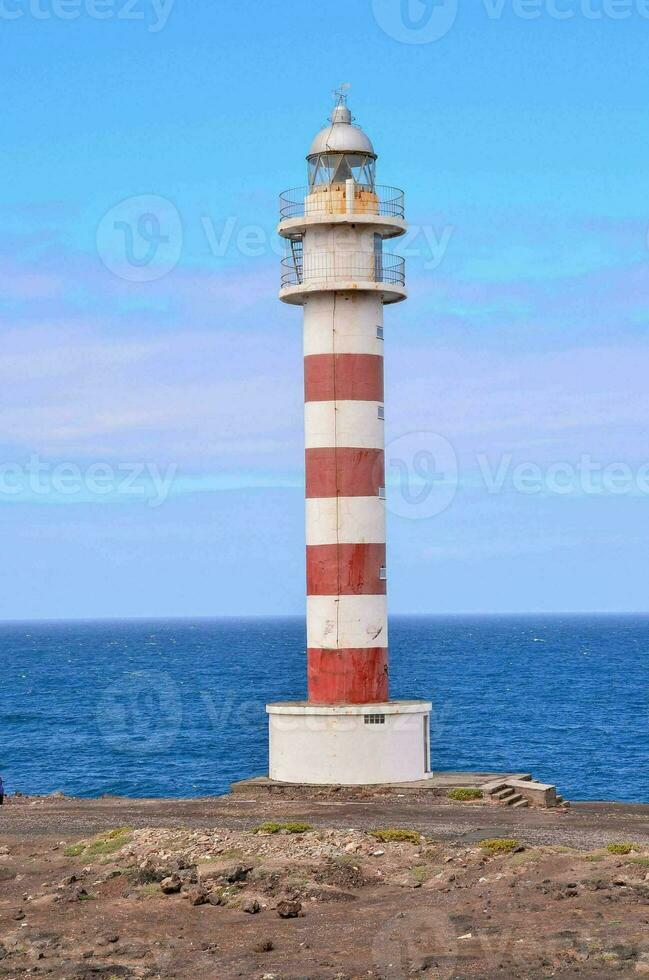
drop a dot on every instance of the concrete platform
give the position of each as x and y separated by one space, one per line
436 784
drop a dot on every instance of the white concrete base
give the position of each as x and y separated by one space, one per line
349 744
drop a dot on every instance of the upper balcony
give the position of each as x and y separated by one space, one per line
339 203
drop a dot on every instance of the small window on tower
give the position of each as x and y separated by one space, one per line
379 333
382 412
381 493
383 574
374 719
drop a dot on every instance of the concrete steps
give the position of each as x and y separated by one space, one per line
521 791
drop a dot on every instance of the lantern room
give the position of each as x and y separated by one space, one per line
341 152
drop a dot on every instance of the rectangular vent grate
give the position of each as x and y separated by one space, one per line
375 719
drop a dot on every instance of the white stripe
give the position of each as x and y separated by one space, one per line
345 520
343 424
350 329
354 621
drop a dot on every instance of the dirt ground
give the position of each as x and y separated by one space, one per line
119 888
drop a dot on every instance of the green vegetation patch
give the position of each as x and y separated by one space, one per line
642 861
107 843
273 827
463 794
110 842
393 834
149 891
625 848
499 845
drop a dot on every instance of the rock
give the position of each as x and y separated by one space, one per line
198 896
251 905
289 909
132 950
171 885
19 915
422 964
4 850
226 874
624 952
265 946
215 898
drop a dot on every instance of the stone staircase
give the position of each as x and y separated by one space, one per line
520 791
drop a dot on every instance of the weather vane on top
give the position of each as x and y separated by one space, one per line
340 94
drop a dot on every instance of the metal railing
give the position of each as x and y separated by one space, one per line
387 202
355 266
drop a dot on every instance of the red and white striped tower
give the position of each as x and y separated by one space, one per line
348 732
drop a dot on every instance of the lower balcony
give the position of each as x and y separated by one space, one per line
342 271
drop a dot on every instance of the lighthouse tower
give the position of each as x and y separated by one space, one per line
348 732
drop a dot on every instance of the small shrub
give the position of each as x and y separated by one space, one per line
621 848
273 827
642 861
118 832
499 845
464 794
393 834
74 850
420 873
149 891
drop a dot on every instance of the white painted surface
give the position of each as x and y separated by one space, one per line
328 744
354 621
344 324
350 520
386 226
353 424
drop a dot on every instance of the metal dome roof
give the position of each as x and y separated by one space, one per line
341 136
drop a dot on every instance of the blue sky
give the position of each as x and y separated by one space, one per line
150 391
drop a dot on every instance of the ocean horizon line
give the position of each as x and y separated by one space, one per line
283 617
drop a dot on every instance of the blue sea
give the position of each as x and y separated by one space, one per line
176 708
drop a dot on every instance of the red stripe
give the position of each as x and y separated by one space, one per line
343 377
345 569
352 676
344 472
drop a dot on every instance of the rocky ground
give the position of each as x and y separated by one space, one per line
201 889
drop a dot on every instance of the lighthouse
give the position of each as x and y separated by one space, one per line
348 731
